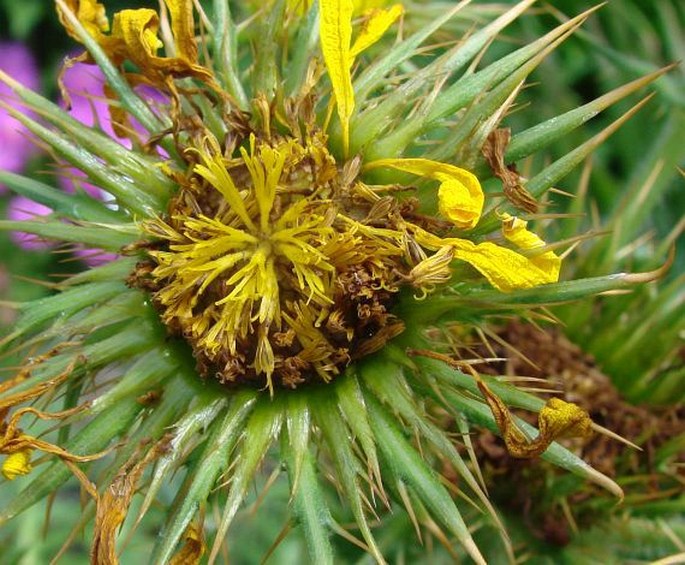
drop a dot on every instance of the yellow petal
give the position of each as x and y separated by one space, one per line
336 36
138 31
375 26
561 419
505 269
363 6
17 464
183 28
460 195
90 13
514 229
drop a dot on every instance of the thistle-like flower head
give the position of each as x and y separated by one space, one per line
303 237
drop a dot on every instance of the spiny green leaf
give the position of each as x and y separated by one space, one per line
225 53
148 372
110 238
260 431
479 413
338 439
351 403
466 89
406 463
212 461
73 206
132 197
199 416
388 384
373 75
298 425
32 315
309 501
131 163
542 135
509 394
304 46
369 124
484 301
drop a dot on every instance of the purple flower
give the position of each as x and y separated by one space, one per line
19 209
15 146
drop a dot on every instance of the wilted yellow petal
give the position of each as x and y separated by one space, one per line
183 28
557 419
138 30
17 464
336 36
561 419
460 195
375 26
193 547
505 269
514 229
90 13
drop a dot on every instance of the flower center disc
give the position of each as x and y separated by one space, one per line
275 266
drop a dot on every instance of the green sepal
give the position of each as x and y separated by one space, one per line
309 502
337 436
407 464
260 431
110 238
72 206
212 461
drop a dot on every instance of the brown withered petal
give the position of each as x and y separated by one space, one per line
112 506
193 547
493 151
557 419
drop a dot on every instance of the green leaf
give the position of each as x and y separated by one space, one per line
212 461
259 433
309 501
73 206
338 438
225 53
408 464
